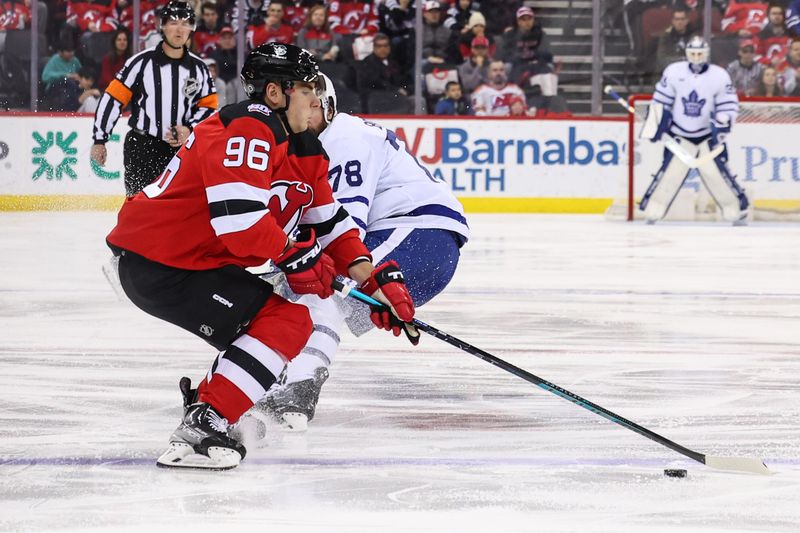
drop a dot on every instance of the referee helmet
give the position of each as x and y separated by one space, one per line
177 10
280 63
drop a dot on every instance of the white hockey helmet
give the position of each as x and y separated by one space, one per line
328 98
697 51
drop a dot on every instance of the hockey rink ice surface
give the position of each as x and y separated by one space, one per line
691 330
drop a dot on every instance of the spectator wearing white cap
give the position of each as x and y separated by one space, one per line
435 36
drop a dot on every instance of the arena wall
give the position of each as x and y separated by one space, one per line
493 165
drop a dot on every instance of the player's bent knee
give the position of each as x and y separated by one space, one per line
283 326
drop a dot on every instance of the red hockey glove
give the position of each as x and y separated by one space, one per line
308 269
386 284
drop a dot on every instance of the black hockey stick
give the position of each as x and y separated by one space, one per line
741 464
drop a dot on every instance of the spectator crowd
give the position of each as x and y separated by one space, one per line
757 42
479 58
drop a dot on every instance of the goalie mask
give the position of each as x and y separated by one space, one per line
697 52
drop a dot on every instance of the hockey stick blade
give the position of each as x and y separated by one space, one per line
723 463
738 464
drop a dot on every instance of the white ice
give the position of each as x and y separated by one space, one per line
691 330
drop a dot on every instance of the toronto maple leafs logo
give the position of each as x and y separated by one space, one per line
692 106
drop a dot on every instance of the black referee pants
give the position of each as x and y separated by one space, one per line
145 158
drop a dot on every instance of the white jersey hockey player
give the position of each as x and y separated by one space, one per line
696 103
406 215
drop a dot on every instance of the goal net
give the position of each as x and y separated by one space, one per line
763 153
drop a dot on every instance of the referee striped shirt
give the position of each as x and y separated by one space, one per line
163 92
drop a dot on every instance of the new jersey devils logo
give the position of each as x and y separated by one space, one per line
287 201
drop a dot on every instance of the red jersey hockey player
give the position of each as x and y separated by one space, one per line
94 15
15 15
354 17
249 185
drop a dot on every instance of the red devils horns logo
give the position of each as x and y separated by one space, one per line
287 201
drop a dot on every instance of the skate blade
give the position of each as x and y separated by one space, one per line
182 455
294 422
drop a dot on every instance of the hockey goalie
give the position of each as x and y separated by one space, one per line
693 109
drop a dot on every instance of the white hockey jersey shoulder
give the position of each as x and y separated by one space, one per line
381 184
696 98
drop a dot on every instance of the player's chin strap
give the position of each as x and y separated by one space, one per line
287 87
738 464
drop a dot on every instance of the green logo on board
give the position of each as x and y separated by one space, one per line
54 163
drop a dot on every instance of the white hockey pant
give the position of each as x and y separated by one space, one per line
722 186
321 348
666 183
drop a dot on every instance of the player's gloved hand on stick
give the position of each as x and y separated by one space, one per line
720 128
386 284
308 269
664 124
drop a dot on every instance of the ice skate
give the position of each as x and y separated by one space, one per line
201 440
293 404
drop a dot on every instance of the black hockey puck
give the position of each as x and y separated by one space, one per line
674 472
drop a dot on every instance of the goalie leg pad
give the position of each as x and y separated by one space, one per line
722 186
665 185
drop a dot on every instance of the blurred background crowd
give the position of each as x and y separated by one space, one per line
494 57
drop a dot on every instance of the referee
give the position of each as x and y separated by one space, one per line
170 91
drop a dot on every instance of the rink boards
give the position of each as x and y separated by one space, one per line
576 165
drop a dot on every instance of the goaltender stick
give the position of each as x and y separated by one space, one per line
696 104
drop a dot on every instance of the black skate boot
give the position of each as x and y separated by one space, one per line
201 440
293 404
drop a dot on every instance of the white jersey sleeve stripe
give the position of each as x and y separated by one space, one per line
225 224
665 95
317 215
